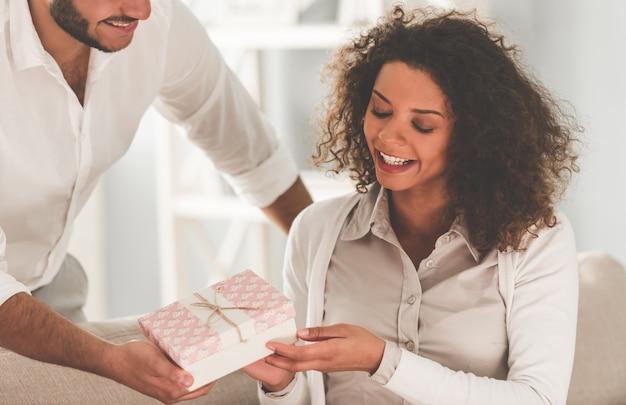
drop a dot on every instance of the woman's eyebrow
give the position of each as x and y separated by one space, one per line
381 96
416 110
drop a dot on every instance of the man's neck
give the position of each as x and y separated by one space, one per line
62 46
71 55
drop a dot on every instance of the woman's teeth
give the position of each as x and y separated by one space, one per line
393 160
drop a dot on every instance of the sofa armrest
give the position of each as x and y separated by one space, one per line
27 381
600 360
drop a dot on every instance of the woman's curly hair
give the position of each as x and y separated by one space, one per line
511 152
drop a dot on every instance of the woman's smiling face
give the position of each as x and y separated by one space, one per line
408 126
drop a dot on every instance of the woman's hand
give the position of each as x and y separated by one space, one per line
340 347
273 378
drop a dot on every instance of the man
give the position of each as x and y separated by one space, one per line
76 77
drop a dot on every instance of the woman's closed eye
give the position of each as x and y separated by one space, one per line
380 114
421 128
384 114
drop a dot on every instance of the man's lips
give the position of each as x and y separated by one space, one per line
124 26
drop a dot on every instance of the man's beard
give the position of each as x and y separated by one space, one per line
67 17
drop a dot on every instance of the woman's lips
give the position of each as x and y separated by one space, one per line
394 164
393 160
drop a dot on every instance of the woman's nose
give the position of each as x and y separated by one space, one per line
392 132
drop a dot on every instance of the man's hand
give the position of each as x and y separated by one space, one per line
340 347
33 330
144 368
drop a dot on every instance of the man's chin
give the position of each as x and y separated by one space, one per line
110 48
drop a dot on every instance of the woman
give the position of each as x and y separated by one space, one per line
449 277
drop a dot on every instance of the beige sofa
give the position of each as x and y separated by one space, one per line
599 376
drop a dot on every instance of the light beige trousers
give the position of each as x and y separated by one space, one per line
67 293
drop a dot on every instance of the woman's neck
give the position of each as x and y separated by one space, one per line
418 219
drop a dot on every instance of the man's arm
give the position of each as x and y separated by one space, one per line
32 329
288 205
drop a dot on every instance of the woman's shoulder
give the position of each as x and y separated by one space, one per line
325 213
562 228
330 207
557 240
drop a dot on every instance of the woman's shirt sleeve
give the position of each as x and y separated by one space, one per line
296 289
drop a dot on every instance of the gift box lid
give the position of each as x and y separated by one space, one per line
217 317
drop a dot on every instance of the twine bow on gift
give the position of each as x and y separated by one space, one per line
217 311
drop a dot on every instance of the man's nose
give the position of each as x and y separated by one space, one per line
139 9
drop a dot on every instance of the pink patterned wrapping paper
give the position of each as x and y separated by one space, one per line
187 339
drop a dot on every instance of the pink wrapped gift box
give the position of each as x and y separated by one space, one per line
222 328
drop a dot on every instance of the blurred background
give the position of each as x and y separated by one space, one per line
162 224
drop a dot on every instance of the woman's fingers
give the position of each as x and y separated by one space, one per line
318 333
338 347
